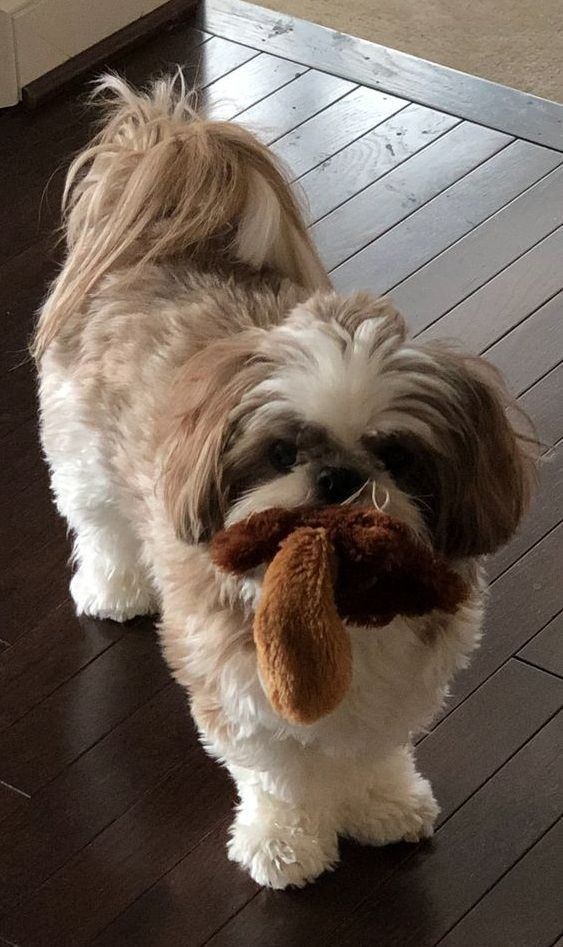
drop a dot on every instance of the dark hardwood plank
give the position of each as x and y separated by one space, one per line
200 65
26 464
98 788
540 336
545 650
24 601
73 718
526 902
311 915
370 157
217 58
57 648
293 104
448 217
23 281
385 203
32 531
544 404
523 600
188 904
518 699
11 801
247 85
337 126
459 271
94 886
168 909
508 814
545 513
506 299
387 69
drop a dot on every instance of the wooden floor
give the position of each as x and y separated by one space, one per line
448 193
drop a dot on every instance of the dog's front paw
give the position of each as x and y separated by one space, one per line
420 816
120 596
277 856
381 820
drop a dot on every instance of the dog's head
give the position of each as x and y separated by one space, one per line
337 405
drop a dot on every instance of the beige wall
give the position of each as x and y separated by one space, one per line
37 35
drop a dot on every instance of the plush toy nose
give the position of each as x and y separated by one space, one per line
336 484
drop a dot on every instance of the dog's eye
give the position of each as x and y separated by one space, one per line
395 455
283 455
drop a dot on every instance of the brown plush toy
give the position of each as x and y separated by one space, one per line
326 566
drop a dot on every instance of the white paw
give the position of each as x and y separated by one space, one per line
277 856
409 817
121 596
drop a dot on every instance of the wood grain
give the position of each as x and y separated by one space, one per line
544 404
23 601
528 899
388 201
294 104
325 134
540 336
388 70
48 655
523 600
459 271
191 901
166 823
506 299
11 801
122 678
545 512
505 817
545 650
371 157
98 788
247 85
23 282
447 218
519 700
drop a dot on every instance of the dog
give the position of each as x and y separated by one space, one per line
195 366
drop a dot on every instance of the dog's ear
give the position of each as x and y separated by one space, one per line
475 481
204 407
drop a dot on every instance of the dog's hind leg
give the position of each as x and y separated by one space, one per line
110 580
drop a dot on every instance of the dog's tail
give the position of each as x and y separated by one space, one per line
159 181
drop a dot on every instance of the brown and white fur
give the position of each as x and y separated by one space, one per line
195 366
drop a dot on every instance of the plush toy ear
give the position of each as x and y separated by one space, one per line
252 541
304 653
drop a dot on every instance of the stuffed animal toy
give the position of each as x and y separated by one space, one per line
327 566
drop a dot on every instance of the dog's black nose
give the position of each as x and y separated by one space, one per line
336 484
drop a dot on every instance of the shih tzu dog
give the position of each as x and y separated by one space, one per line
195 367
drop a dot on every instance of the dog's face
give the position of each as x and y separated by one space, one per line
337 405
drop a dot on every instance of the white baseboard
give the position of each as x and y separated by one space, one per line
38 35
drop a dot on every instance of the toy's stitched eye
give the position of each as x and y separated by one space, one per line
283 455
